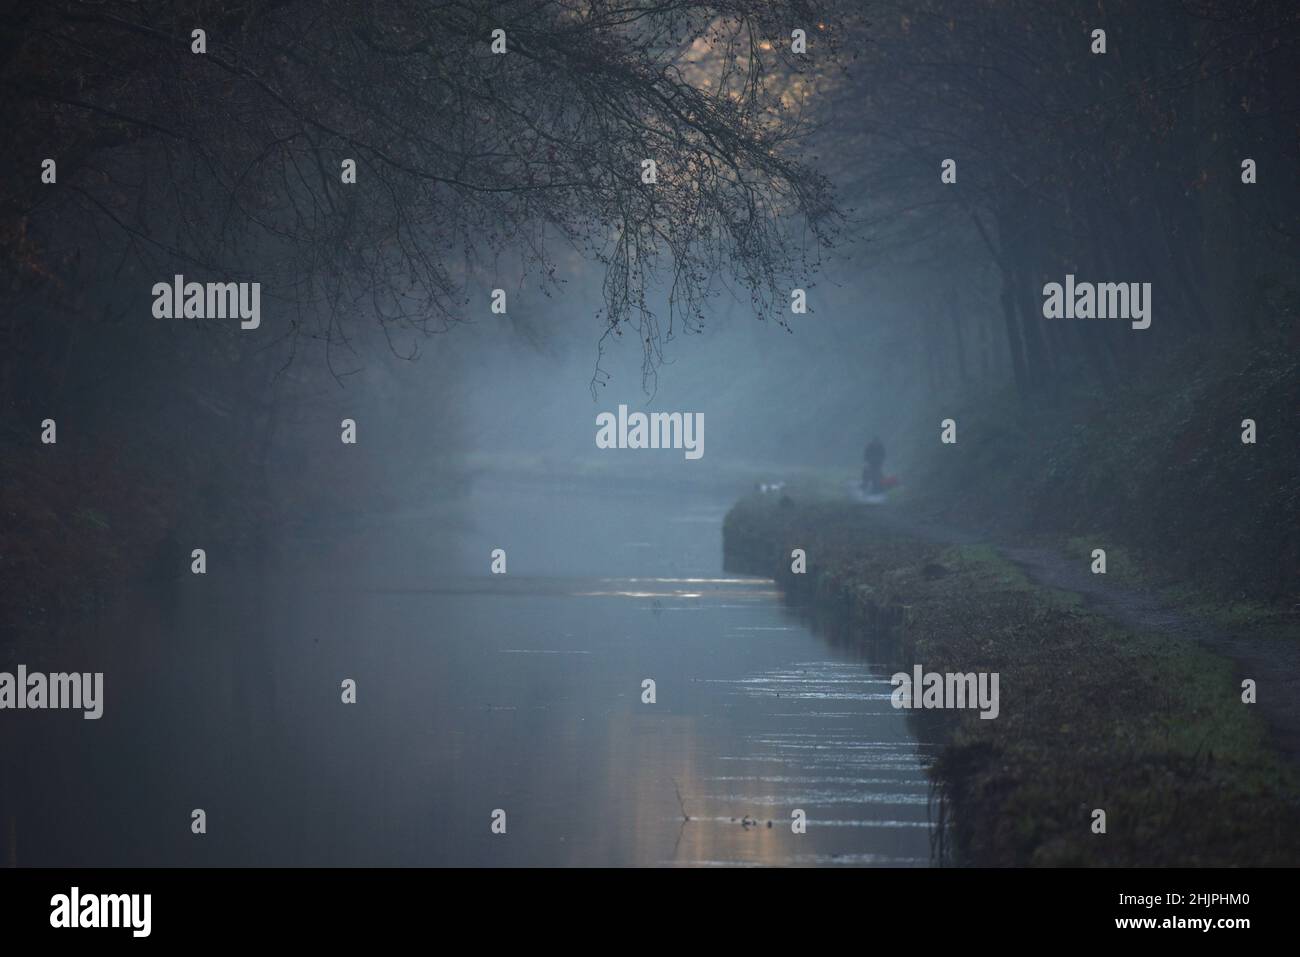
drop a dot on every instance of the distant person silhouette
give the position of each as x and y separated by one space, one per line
872 476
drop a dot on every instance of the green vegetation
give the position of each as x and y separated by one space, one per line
1155 472
1149 728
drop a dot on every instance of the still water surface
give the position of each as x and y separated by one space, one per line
475 692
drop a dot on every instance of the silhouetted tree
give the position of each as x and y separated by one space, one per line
232 158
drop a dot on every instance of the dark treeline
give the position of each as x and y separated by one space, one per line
236 158
1121 166
1128 166
379 170
476 171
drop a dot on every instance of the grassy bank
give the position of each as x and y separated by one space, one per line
1154 465
1150 729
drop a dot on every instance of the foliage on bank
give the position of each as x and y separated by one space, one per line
1150 729
1156 465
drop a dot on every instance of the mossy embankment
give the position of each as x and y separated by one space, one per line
1153 466
1147 727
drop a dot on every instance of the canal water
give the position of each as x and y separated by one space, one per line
476 693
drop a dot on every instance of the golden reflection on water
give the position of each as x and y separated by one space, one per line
649 761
